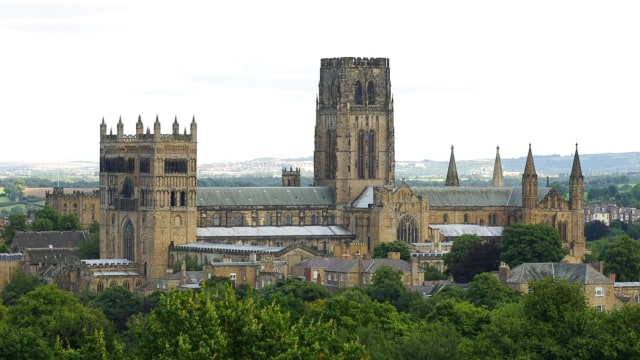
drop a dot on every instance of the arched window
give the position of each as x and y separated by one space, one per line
563 231
267 220
239 220
466 218
128 239
372 154
287 219
314 219
445 218
127 188
100 286
329 154
408 229
358 94
126 285
371 93
216 220
183 198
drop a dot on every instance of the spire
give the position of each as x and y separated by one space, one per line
452 173
498 177
529 185
576 184
176 126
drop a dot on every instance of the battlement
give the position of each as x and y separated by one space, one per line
58 192
354 62
142 136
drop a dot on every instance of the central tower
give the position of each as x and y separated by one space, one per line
354 136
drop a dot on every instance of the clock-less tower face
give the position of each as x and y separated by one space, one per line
354 136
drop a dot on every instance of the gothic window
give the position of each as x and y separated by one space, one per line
371 93
183 198
562 229
128 239
125 285
239 220
481 222
173 198
361 147
287 220
314 219
408 229
466 218
358 94
100 286
329 160
216 220
127 188
445 218
372 154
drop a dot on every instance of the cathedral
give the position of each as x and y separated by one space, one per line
151 211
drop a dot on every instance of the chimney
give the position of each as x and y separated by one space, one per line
612 277
504 273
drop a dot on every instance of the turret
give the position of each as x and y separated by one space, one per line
156 129
498 177
103 129
176 127
452 173
139 127
120 128
194 130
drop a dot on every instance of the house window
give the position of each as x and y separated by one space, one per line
232 277
599 291
315 274
600 307
342 278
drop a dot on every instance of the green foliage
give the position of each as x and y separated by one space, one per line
471 255
117 304
90 248
191 263
523 243
386 285
553 300
58 314
595 230
382 250
300 289
485 290
14 188
4 249
432 273
18 285
622 257
17 222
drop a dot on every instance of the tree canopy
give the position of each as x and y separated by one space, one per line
622 257
523 243
382 250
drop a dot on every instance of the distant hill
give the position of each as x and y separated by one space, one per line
546 165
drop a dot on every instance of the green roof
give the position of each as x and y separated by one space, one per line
265 196
475 196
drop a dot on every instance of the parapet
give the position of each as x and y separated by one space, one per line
354 62
147 136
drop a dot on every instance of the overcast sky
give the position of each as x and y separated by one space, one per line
472 74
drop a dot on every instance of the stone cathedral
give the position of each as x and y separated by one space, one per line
151 210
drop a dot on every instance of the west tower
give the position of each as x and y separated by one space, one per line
354 134
147 194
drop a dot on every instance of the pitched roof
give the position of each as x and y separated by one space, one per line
319 263
455 230
48 239
281 231
368 266
466 196
574 273
265 196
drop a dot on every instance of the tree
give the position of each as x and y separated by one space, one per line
622 257
633 230
432 273
191 263
18 285
471 255
17 222
117 304
595 230
523 243
90 248
382 250
386 285
14 190
486 290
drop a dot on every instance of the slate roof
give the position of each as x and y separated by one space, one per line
48 239
265 196
574 273
368 266
205 246
51 256
451 196
456 230
318 263
281 231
